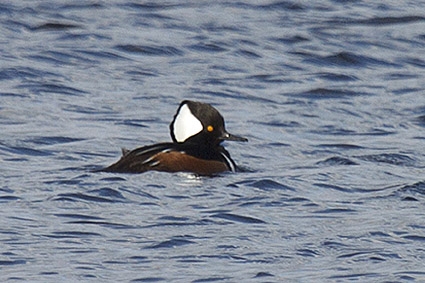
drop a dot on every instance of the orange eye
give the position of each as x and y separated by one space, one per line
210 128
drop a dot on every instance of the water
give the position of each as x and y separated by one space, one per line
329 93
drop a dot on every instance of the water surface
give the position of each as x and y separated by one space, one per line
329 93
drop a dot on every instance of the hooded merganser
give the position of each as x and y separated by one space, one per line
197 131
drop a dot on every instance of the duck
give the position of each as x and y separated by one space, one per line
197 132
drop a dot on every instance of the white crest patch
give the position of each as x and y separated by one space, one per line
186 124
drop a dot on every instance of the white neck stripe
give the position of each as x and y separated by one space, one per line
229 162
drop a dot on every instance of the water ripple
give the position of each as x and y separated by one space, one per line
23 150
238 218
383 21
176 242
150 50
330 94
208 47
336 160
54 26
323 93
390 158
12 262
347 59
52 140
52 88
71 235
101 195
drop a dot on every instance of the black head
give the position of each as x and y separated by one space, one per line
197 122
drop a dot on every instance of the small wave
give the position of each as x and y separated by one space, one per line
101 195
263 274
290 39
80 197
390 158
107 192
12 262
307 253
264 184
328 93
150 50
344 146
383 21
346 59
336 160
238 218
364 276
213 279
344 189
24 73
22 150
54 26
412 192
282 5
208 47
139 123
71 234
417 238
8 198
78 216
51 140
149 279
248 54
60 58
85 109
52 88
338 77
177 242
420 121
335 210
99 54
153 6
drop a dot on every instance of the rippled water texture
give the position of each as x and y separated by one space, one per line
329 93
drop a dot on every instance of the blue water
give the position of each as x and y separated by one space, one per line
329 93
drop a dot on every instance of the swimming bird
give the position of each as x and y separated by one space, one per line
197 131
